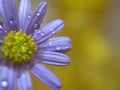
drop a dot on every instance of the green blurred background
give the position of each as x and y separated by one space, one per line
93 26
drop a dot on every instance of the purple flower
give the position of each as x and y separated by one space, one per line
24 46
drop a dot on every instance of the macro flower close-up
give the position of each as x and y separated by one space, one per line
25 46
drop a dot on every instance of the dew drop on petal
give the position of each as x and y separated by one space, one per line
11 22
68 46
4 83
29 16
50 43
1 27
52 31
58 48
42 34
38 14
21 7
36 26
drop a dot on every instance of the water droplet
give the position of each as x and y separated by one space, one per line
4 83
11 21
36 31
1 27
21 7
38 14
50 43
53 31
42 34
68 46
58 48
29 16
36 26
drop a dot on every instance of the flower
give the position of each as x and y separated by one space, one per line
24 46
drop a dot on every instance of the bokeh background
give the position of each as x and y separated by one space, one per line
94 27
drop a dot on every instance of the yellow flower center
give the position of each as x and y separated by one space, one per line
18 48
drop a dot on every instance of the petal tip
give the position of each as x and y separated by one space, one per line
68 61
59 23
44 2
59 86
59 20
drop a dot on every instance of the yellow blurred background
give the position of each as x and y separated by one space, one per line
93 26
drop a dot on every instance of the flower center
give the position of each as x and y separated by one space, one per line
18 48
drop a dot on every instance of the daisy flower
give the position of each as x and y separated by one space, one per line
25 46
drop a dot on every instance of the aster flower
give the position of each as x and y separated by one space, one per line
25 46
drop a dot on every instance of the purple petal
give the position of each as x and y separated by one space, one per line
48 30
2 31
53 58
7 78
24 12
20 70
59 44
46 76
9 14
37 18
24 82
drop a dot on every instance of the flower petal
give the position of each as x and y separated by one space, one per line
48 30
2 31
20 70
46 76
37 18
59 44
7 78
24 82
53 58
9 14
24 12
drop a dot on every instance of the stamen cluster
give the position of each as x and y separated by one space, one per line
18 48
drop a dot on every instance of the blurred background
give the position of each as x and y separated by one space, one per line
94 27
